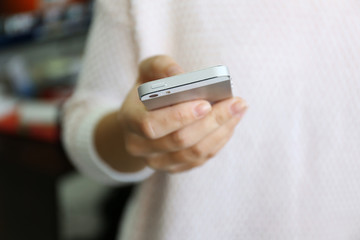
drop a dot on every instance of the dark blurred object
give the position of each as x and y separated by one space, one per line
29 171
114 209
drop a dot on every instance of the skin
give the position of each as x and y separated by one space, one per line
172 139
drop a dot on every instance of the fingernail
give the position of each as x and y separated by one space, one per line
174 70
202 109
238 108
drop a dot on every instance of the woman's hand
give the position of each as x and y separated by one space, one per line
179 137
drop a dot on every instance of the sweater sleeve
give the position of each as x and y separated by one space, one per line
108 73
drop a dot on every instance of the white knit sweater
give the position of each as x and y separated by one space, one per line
292 168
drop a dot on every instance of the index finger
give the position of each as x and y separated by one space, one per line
158 123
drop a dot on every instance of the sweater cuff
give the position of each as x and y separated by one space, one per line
89 161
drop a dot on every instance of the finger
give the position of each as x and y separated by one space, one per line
213 151
197 155
157 67
208 147
188 166
158 123
193 133
221 113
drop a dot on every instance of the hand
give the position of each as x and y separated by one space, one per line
179 137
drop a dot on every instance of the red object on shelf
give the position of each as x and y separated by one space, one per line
10 123
43 132
18 6
13 124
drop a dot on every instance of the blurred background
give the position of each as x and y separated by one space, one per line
41 195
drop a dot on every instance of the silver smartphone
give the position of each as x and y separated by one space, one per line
212 84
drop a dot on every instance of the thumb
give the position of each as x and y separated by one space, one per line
157 67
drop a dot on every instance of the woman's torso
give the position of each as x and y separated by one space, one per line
292 168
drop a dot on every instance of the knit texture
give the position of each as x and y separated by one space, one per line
292 168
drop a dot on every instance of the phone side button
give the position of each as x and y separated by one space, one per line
158 85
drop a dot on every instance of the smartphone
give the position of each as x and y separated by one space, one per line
212 84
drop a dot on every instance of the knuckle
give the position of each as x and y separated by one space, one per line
179 139
220 118
156 162
151 162
197 152
130 146
211 155
146 128
180 117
